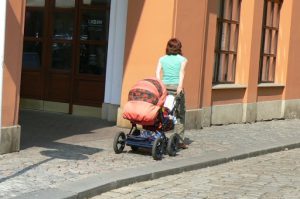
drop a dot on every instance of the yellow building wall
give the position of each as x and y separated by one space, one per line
247 67
289 48
189 27
12 62
149 27
195 24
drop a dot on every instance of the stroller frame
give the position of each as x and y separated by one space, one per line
151 137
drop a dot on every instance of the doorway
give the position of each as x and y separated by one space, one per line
65 52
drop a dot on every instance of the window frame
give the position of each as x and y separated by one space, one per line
221 20
269 77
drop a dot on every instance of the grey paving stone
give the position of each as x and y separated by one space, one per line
268 176
61 150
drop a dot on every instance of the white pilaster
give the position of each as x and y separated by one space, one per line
115 54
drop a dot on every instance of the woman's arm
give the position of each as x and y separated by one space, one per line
181 77
158 69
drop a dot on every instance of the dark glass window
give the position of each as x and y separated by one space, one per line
63 25
35 3
94 22
92 59
95 2
32 55
34 23
269 40
94 26
65 3
61 56
227 41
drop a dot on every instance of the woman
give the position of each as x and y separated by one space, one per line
172 65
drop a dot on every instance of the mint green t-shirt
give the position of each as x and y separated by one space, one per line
171 65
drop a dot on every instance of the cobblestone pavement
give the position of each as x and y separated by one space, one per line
271 176
78 148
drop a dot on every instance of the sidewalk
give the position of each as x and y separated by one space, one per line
65 156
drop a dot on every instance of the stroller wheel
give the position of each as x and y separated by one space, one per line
157 149
119 142
173 143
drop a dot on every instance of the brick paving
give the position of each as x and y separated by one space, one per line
58 149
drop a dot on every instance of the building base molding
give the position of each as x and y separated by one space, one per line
234 113
227 114
41 105
110 112
58 107
194 119
269 110
291 109
10 139
87 111
249 112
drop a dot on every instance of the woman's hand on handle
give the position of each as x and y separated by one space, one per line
181 77
179 90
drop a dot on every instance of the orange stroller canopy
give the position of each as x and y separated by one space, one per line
145 99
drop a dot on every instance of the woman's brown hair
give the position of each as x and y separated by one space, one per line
174 47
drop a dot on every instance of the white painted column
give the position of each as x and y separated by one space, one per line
2 49
115 54
110 50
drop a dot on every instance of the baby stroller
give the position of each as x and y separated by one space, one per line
149 107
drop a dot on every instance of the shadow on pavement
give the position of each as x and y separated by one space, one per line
60 151
46 129
68 151
57 150
25 170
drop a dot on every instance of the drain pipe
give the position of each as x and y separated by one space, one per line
2 49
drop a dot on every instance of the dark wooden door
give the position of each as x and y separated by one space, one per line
34 51
89 78
60 53
65 50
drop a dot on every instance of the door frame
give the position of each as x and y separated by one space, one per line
46 41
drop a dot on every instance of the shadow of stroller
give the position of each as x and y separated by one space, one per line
68 151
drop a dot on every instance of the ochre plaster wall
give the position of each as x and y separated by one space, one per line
287 72
195 24
12 62
269 94
209 52
290 48
149 27
284 37
247 68
227 96
189 26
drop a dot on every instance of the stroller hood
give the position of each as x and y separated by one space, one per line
145 98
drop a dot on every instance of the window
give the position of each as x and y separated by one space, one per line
94 21
65 51
35 3
33 35
269 40
227 41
